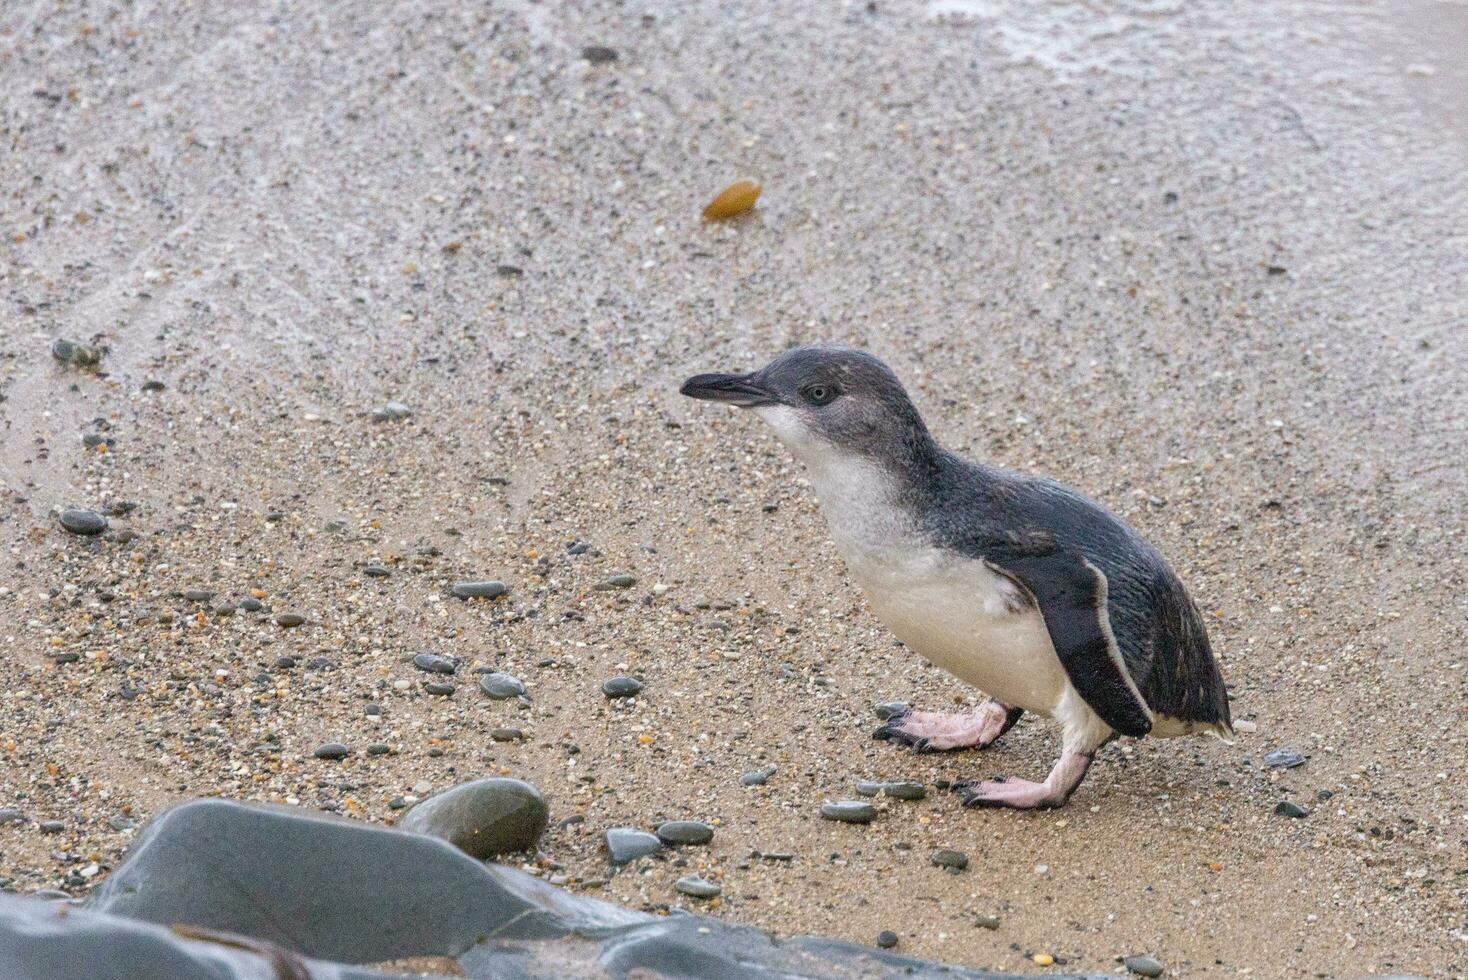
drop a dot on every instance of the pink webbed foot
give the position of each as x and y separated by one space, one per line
936 731
1022 794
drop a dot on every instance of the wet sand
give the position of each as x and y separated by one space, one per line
1207 264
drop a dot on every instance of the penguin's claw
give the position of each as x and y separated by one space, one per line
934 731
1002 791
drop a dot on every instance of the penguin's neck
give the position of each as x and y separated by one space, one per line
871 507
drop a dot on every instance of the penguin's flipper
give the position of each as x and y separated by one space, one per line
1071 594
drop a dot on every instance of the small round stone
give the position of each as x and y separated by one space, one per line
198 595
696 887
685 832
332 750
479 590
904 790
377 571
251 604
87 523
887 709
886 939
946 858
849 811
621 687
1144 966
433 663
501 687
1293 810
378 748
289 619
626 844
442 690
616 582
506 735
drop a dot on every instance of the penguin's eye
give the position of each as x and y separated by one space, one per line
819 394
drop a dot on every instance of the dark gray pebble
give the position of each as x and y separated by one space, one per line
1284 759
621 687
8 816
616 582
442 690
433 663
332 750
685 832
506 735
198 595
886 939
849 811
378 748
501 687
887 709
251 604
479 590
84 522
597 54
289 619
945 858
377 571
1287 809
757 777
51 826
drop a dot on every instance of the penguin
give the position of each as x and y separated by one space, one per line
1015 584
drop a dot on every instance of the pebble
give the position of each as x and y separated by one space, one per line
696 887
1284 759
392 412
251 605
597 54
621 687
904 790
986 921
1144 966
9 815
379 748
433 663
51 826
482 818
616 582
953 860
502 687
1287 809
886 939
488 589
70 352
685 832
849 811
198 595
887 709
289 619
442 690
626 844
332 750
377 571
757 777
506 735
84 522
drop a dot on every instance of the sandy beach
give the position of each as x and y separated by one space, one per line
1206 262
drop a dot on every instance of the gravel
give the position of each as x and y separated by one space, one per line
501 687
621 687
685 832
849 811
488 589
86 523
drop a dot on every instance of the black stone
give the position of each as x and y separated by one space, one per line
1284 759
886 939
433 663
599 55
479 590
332 750
849 811
621 687
1293 810
625 844
87 523
685 832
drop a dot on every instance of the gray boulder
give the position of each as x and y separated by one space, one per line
483 818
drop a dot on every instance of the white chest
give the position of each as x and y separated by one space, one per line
954 611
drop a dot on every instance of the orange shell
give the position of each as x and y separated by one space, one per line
733 200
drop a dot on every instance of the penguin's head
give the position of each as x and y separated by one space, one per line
824 403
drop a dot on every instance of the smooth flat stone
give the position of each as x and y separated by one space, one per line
696 887
946 858
1284 759
757 777
621 687
626 844
616 582
1144 966
433 663
849 811
480 590
86 523
685 832
501 687
332 750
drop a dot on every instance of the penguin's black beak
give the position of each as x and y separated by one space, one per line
736 389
